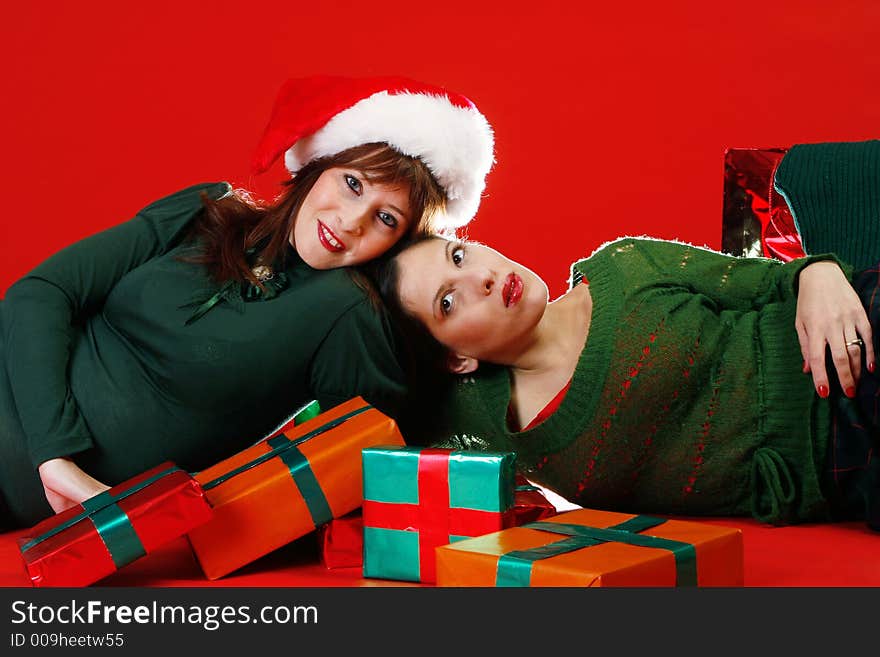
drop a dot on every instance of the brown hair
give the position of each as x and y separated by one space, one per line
231 226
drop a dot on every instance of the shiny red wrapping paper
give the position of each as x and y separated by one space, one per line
78 556
756 220
529 503
342 542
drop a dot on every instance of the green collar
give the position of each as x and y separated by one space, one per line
274 279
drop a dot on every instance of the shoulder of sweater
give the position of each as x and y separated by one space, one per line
625 244
475 406
482 391
488 382
343 296
650 241
187 200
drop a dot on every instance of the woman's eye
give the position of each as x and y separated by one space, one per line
446 303
458 255
353 183
388 219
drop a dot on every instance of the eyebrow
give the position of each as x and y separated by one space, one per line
439 295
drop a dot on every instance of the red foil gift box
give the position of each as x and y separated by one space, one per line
756 220
342 542
529 503
89 541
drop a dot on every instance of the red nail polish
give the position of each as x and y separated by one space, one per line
850 392
823 391
871 366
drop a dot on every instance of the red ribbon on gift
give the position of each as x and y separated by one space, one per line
432 517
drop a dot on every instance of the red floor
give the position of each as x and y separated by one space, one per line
846 554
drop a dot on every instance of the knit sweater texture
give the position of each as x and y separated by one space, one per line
833 193
688 397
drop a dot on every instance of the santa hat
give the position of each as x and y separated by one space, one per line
322 115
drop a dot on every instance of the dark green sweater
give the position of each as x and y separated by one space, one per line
688 397
833 191
96 361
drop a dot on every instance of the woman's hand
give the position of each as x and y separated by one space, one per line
66 484
829 312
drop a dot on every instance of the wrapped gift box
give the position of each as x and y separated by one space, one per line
342 539
529 503
303 414
342 542
284 487
89 541
597 548
756 220
416 499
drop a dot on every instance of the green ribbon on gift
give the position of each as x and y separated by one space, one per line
515 568
300 469
113 525
305 479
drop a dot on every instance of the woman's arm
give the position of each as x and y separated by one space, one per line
734 283
43 312
828 309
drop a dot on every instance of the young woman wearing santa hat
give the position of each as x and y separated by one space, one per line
192 330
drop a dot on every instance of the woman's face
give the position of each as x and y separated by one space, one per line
347 220
471 298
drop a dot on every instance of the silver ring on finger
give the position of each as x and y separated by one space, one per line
857 342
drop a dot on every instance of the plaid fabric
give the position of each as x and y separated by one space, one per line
853 470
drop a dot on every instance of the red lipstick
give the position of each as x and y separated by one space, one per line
329 240
512 291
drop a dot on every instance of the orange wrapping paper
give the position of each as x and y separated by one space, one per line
262 508
473 562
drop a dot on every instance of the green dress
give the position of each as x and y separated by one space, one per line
97 361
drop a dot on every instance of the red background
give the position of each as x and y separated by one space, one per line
609 119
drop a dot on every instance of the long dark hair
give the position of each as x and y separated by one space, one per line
424 358
233 225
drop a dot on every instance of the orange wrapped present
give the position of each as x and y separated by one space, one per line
286 486
597 548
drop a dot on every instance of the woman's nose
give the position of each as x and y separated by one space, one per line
352 221
483 281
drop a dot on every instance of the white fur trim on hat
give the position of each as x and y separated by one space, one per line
455 143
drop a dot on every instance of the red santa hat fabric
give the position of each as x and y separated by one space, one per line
318 116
